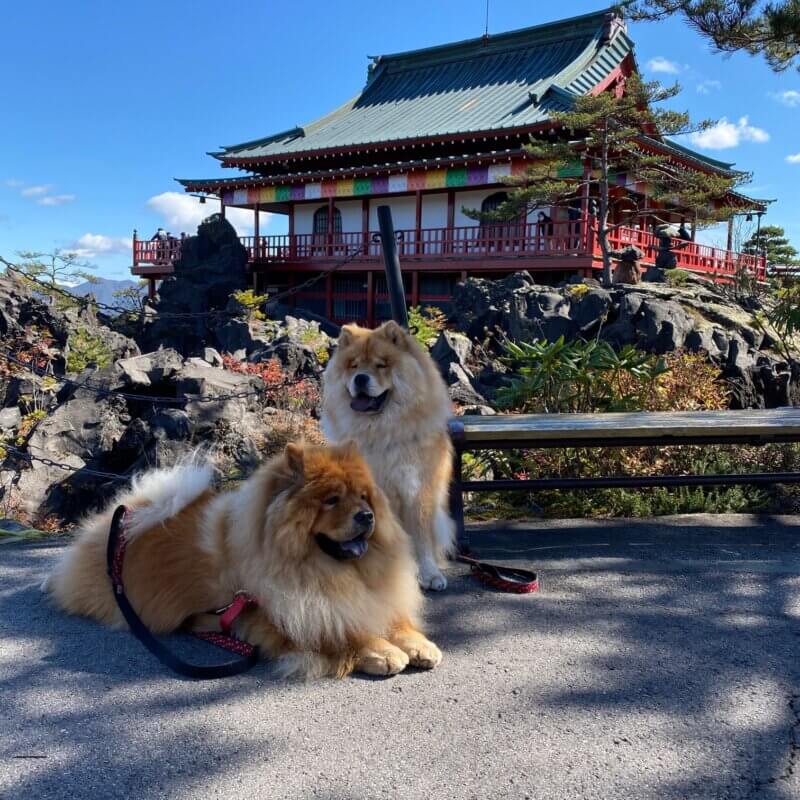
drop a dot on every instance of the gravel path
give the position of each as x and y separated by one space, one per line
660 660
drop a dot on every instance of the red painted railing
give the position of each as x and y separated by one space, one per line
473 241
156 252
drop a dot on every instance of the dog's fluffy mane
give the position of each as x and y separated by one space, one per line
191 548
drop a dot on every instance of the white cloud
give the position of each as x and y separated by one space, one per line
35 191
706 87
725 135
55 199
182 213
794 159
40 192
91 245
661 64
791 97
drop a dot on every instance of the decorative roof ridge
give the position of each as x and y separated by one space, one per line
728 165
671 144
295 133
557 30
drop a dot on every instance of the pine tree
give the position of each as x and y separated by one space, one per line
772 242
604 136
769 29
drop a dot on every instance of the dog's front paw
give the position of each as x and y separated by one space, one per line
433 580
386 660
424 654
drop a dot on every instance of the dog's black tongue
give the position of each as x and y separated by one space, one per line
363 402
343 551
355 548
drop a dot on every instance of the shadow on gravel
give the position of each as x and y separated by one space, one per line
694 618
697 617
123 698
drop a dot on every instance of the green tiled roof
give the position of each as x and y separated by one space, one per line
508 80
692 155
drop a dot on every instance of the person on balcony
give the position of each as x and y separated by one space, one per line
160 237
544 229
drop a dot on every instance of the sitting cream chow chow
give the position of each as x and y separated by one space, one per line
382 390
309 536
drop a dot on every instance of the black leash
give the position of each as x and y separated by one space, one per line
114 558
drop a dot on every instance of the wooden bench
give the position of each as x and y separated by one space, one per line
529 431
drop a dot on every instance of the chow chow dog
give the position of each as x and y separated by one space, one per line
382 390
309 536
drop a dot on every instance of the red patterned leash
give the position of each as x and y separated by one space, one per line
115 555
504 579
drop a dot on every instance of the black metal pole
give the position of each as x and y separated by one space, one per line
394 278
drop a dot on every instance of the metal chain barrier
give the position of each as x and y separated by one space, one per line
23 455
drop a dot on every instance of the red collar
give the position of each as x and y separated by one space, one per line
241 602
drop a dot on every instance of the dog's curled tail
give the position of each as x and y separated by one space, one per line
157 496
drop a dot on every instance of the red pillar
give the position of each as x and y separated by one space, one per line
292 243
415 288
365 224
418 223
151 288
221 207
256 234
330 226
451 219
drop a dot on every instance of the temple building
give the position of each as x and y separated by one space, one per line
432 133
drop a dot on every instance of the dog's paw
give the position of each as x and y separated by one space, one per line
434 581
424 654
386 661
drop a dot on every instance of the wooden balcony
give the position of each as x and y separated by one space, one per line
491 247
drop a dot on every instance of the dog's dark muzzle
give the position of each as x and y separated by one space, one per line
345 551
364 524
367 404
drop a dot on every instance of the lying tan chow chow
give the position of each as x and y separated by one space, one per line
382 390
309 535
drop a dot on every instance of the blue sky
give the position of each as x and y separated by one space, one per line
105 103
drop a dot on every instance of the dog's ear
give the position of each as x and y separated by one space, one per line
393 333
295 459
346 335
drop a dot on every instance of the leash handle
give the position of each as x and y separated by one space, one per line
115 555
506 579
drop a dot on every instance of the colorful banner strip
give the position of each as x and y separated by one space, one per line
451 178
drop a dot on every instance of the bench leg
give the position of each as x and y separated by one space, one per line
457 504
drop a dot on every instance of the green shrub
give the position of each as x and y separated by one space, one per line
252 302
426 323
318 342
578 376
85 349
